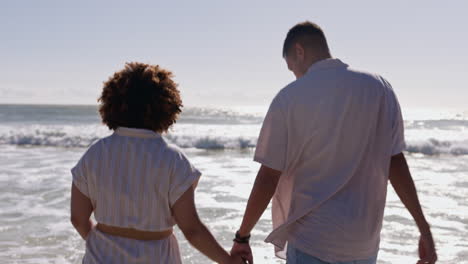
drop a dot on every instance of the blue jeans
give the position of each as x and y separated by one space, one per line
297 257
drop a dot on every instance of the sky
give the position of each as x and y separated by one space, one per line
228 53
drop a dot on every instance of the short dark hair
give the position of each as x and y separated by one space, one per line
140 96
306 33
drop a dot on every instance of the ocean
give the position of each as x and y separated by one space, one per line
39 144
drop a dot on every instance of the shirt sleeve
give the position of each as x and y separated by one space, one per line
184 175
80 175
398 131
273 139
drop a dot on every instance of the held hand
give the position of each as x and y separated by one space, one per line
427 251
242 250
235 260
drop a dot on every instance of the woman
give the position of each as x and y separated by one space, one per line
136 184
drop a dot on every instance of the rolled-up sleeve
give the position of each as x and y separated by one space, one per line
183 175
398 130
273 139
80 174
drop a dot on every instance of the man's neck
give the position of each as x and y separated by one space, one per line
313 60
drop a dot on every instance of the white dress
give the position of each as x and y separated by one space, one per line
133 178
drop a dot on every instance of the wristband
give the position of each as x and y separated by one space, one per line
240 239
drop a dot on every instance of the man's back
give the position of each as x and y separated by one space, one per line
340 128
329 143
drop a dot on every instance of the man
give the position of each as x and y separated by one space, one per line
330 142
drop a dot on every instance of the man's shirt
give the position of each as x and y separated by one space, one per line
332 134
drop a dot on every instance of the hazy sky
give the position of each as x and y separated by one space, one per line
228 52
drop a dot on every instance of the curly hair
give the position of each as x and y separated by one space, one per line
140 96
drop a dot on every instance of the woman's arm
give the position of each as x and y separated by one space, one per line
195 231
81 209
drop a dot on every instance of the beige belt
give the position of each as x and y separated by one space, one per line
133 233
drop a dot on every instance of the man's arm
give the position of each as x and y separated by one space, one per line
402 182
263 190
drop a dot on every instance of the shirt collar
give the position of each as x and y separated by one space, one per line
136 132
326 64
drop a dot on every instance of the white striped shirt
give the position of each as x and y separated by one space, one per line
133 178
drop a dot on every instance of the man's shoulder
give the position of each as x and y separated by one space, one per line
314 86
345 74
294 85
376 82
368 76
291 88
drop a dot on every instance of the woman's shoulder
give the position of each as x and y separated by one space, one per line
96 146
172 149
175 153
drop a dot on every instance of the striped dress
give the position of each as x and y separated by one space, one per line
133 178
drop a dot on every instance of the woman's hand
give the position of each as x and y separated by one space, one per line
233 259
186 217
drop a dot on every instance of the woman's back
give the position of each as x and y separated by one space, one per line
133 178
136 184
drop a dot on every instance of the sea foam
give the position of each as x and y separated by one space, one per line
223 137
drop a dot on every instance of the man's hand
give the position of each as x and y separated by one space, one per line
242 250
427 252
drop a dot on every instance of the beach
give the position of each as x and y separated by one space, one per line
39 144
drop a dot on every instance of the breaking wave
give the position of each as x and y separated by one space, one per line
436 147
84 137
81 137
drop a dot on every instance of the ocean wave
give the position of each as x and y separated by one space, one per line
85 136
210 142
203 115
88 114
48 138
433 146
61 140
